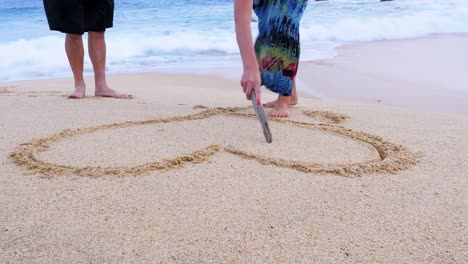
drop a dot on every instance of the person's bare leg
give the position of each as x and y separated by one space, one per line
281 108
292 101
97 53
75 54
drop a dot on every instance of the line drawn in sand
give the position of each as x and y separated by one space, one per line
392 158
9 91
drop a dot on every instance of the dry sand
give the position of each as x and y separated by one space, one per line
168 177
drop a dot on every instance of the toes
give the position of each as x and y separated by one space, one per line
124 96
75 96
279 113
120 96
115 95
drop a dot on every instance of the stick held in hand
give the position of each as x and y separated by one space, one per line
262 116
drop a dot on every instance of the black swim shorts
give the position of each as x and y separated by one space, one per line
79 16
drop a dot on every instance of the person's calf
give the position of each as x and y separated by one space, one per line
97 52
75 54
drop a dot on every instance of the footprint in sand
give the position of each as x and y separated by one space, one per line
367 154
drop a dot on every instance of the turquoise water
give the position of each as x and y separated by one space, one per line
199 34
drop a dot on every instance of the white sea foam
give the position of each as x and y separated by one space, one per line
356 29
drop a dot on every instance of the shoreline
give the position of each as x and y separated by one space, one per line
317 79
186 68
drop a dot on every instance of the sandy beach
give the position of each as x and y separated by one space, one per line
427 74
182 173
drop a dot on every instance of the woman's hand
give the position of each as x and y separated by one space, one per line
251 81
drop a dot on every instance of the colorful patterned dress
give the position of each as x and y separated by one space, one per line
277 46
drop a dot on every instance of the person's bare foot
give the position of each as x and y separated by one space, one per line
79 92
294 99
292 102
106 91
281 108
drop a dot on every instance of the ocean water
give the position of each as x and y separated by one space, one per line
198 35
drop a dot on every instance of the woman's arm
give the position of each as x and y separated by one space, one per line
251 77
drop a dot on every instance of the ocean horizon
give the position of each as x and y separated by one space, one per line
196 35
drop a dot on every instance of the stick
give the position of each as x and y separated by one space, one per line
263 119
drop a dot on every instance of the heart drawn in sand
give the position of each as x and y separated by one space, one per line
392 158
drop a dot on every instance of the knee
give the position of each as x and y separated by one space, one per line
74 37
96 35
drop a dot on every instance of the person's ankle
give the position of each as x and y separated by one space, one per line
284 99
101 84
80 84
